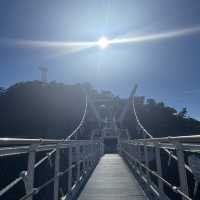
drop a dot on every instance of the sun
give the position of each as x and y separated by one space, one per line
103 42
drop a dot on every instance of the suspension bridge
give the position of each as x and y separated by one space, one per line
109 166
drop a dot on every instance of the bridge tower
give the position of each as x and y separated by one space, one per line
109 132
44 73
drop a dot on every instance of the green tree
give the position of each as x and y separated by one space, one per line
183 112
151 102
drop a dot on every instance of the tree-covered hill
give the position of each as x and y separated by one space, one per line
34 109
53 110
161 120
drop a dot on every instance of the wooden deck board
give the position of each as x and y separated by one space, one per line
112 180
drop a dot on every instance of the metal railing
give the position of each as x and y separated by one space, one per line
146 134
148 159
82 156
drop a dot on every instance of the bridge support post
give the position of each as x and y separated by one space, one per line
56 172
146 163
181 169
86 152
28 177
84 160
78 163
159 168
102 148
88 155
139 154
94 150
91 152
70 169
94 154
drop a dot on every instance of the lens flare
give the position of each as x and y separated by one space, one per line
103 42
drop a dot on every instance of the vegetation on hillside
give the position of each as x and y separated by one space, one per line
161 120
34 109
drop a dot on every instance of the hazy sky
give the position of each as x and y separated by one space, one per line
167 69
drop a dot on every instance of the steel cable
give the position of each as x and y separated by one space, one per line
150 136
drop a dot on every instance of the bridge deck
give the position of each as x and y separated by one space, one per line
112 180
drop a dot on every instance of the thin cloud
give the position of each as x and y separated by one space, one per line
22 43
158 36
81 45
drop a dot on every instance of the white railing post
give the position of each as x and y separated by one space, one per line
95 147
95 154
84 159
70 169
99 150
88 157
78 158
135 153
139 158
181 169
159 167
146 162
102 148
29 179
91 152
56 172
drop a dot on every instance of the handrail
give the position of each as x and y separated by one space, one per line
35 191
48 156
22 141
129 157
181 139
91 151
27 141
136 153
148 134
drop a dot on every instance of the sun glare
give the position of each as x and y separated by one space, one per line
103 42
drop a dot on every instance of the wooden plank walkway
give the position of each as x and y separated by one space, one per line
112 180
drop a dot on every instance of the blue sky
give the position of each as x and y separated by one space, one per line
167 70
